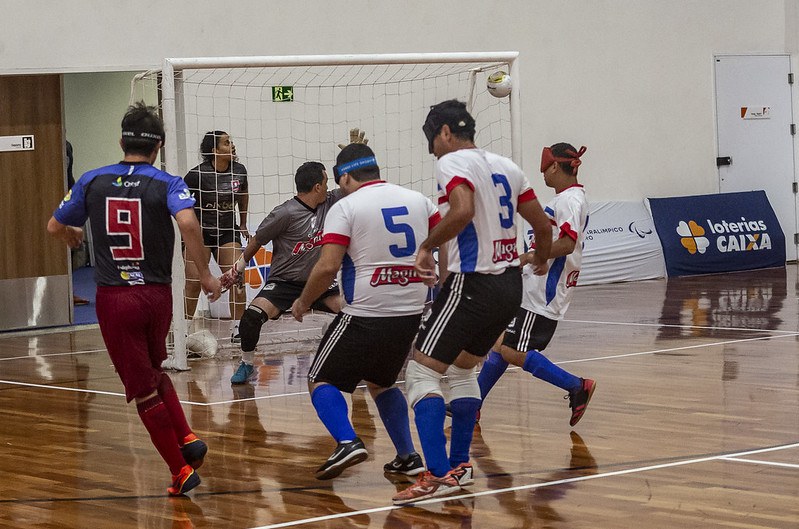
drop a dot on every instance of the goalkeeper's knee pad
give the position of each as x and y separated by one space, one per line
250 327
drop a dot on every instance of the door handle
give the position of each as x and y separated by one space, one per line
723 160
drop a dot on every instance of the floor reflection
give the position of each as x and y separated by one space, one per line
698 307
528 508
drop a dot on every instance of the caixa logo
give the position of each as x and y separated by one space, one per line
739 236
505 250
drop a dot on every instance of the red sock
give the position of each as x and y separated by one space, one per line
167 393
156 419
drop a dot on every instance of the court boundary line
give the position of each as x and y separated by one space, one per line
47 355
761 462
647 468
511 368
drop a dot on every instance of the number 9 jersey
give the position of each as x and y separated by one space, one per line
487 244
130 206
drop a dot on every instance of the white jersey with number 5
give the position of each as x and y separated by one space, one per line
488 243
381 225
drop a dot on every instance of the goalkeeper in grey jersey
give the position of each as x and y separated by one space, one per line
295 229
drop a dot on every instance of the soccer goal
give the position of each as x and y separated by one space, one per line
285 110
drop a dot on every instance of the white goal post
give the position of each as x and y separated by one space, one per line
284 110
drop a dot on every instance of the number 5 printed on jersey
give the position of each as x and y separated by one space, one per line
399 227
506 221
123 219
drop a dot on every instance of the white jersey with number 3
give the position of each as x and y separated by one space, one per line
381 225
488 243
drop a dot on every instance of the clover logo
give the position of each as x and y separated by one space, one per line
691 237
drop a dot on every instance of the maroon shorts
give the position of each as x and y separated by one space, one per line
135 322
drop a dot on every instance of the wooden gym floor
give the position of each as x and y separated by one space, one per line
695 424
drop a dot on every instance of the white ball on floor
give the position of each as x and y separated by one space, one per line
201 344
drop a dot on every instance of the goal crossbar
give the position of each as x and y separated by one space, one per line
171 100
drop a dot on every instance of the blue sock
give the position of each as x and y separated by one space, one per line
464 414
493 368
332 410
430 413
394 413
541 367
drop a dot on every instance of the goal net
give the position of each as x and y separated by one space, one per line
283 111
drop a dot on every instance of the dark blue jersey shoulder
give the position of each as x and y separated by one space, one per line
130 206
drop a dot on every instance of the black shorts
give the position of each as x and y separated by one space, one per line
469 314
529 330
357 348
282 295
213 238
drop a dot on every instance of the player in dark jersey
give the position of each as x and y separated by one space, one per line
219 185
295 229
130 205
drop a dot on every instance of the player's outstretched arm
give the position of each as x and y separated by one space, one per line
192 237
71 235
320 279
531 212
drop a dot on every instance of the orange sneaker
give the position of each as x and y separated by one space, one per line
183 482
428 486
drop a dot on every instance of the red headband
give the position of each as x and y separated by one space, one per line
547 158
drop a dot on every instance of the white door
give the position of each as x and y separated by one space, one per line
755 145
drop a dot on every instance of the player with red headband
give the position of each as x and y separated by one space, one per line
546 298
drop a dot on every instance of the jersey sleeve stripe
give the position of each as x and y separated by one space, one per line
434 219
335 238
567 231
527 196
456 181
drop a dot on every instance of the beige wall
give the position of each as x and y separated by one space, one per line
631 79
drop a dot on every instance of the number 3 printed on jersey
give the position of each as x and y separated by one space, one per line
506 221
123 219
399 227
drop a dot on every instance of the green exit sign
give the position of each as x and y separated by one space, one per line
282 93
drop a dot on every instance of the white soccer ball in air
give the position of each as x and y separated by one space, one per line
499 84
201 344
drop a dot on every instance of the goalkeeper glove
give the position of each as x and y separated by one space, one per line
356 136
234 276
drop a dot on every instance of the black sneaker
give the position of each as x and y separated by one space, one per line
194 450
578 400
410 466
345 455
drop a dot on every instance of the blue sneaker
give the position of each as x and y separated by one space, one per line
243 373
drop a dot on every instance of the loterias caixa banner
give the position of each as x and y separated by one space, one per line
726 232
